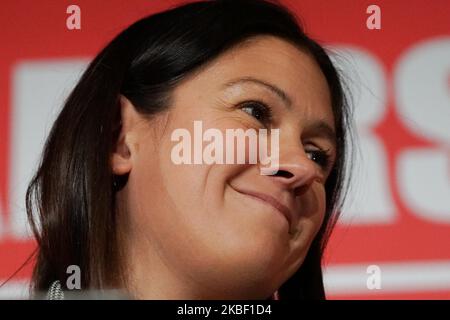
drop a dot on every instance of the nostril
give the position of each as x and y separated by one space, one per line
284 174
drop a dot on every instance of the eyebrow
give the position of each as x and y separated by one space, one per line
273 88
322 128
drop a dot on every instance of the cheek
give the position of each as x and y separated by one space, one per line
196 189
318 205
185 197
312 216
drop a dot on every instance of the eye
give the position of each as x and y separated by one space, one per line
321 157
258 110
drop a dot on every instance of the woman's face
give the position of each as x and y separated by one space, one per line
225 230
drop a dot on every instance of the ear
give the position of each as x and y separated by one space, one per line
125 148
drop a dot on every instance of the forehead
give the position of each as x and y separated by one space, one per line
274 61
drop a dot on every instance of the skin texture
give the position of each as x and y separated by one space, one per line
193 231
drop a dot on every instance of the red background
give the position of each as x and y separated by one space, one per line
32 30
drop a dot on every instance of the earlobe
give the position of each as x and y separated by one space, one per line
120 164
121 158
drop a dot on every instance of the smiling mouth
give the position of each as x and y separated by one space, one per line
267 199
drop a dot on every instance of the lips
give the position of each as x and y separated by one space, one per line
283 209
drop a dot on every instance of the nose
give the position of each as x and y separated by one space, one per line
296 172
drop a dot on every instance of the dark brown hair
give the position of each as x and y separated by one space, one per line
71 199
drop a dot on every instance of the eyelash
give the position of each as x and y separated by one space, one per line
266 115
321 157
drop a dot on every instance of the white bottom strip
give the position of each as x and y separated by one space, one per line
408 277
344 279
